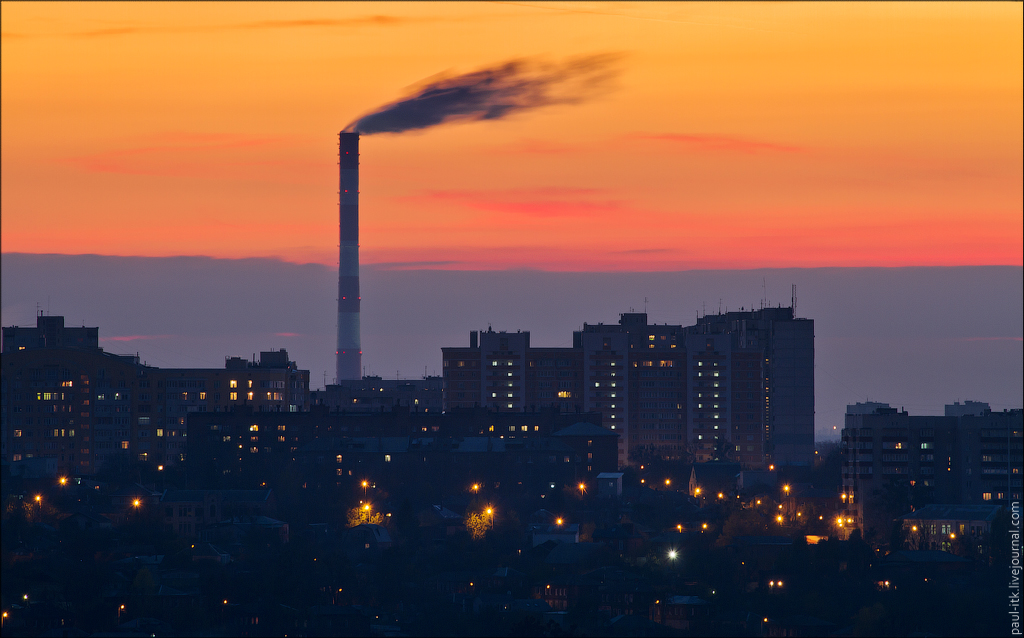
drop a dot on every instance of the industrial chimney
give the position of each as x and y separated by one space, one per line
349 352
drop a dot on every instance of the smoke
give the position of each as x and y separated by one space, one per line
492 93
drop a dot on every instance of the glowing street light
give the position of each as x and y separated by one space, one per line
63 480
583 488
696 491
668 482
720 495
778 519
679 528
490 512
136 503
558 522
785 488
365 484
476 487
672 554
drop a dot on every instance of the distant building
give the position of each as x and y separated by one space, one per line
374 394
963 460
940 526
736 386
66 399
968 408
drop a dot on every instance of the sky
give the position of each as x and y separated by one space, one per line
869 153
727 135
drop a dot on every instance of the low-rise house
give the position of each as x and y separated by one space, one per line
681 612
961 529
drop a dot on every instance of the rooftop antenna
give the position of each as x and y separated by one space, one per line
764 292
792 301
645 305
719 305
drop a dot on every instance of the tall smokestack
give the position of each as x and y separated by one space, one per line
349 352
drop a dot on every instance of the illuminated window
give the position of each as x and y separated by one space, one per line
250 396
986 496
233 383
387 458
281 428
250 383
234 396
564 394
254 428
280 439
525 428
17 433
124 445
202 396
338 458
159 431
650 338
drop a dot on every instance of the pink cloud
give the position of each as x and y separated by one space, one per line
703 142
135 337
544 202
176 154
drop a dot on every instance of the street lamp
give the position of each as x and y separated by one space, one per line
119 610
785 488
365 484
136 503
583 488
558 522
63 480
476 487
668 482
490 512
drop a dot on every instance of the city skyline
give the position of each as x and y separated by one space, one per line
160 170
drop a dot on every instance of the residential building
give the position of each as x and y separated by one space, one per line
736 386
64 398
964 460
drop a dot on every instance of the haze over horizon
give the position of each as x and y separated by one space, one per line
917 338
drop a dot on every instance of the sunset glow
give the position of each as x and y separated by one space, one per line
732 135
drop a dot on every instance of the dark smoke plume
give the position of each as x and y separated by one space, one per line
489 94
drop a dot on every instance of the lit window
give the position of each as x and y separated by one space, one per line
159 431
17 433
986 496
564 394
202 396
281 428
254 428
233 383
250 383
250 396
124 445
234 396
387 458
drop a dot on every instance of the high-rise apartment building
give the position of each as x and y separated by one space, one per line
68 400
738 385
968 459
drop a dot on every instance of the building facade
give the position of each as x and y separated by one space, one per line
736 386
973 459
64 398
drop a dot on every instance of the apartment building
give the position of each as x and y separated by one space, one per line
736 386
64 398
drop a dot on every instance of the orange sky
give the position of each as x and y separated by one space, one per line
736 136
